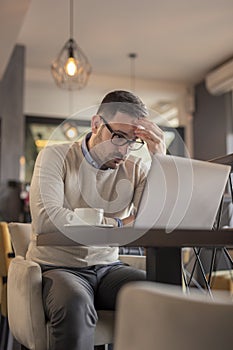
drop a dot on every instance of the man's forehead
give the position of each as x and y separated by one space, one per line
124 119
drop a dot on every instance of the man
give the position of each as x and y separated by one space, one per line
100 171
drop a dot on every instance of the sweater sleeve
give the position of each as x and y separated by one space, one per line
142 171
47 191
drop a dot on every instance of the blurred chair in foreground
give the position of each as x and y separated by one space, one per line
155 316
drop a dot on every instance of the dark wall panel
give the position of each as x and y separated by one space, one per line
12 135
11 101
210 124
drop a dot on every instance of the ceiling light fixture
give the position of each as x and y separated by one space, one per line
132 57
70 130
71 69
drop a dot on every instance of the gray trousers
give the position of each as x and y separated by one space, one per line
71 297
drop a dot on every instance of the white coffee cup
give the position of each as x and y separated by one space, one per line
85 216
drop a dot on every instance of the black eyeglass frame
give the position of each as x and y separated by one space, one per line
127 141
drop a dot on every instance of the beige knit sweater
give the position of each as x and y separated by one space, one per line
62 181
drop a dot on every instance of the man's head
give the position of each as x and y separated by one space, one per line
113 127
124 102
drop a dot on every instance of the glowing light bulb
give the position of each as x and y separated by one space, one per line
71 66
71 133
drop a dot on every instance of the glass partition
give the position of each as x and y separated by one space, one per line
41 131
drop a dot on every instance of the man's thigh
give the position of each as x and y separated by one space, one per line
61 288
112 282
69 306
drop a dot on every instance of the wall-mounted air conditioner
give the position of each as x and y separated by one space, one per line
220 80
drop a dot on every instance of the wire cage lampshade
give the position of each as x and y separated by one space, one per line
71 69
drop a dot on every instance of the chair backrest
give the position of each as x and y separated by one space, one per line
152 316
20 236
6 254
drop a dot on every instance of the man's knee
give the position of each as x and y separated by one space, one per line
80 309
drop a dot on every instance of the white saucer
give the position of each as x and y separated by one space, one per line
77 225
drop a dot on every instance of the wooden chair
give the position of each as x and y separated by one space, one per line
6 255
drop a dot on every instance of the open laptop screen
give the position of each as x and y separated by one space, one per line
181 193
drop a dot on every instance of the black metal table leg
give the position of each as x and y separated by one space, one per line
164 265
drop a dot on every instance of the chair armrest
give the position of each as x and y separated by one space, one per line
137 261
25 306
20 237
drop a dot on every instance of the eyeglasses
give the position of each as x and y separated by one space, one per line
118 139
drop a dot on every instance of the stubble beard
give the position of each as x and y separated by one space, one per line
104 159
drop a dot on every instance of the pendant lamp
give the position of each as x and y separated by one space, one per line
71 68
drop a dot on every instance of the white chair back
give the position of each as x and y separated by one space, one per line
154 316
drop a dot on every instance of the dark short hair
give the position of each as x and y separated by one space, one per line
124 102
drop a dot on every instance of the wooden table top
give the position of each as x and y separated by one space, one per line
139 237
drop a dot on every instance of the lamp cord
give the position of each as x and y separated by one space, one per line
132 57
71 18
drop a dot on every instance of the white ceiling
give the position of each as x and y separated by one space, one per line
176 40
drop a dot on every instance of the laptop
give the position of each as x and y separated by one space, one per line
181 193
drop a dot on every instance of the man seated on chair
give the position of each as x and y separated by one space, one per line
79 280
